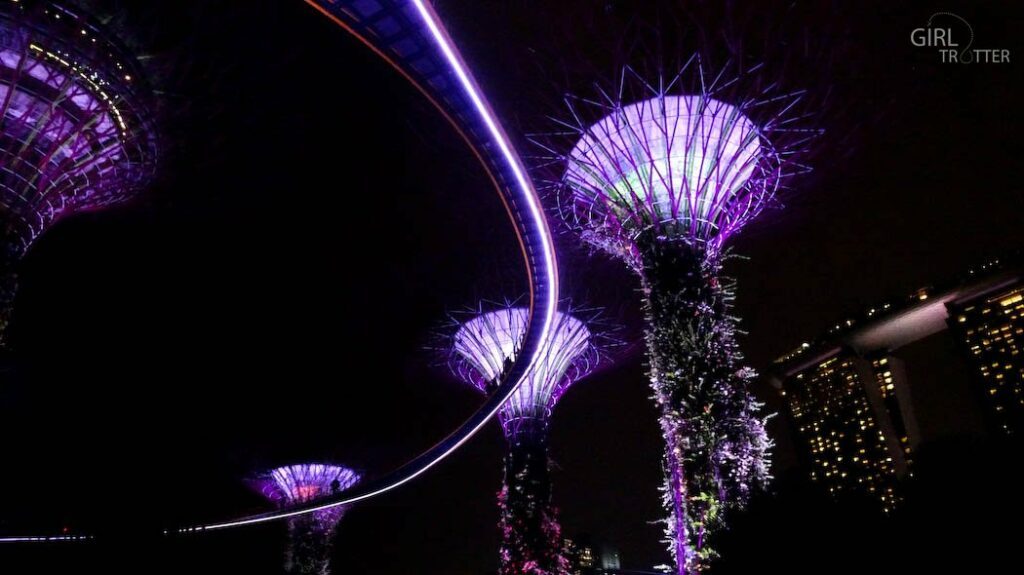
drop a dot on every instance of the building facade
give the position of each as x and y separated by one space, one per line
849 396
990 331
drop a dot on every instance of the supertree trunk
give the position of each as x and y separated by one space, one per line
8 288
310 544
531 538
714 445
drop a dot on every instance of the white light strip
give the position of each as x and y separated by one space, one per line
44 538
536 214
525 185
533 201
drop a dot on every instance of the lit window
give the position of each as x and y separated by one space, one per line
1011 300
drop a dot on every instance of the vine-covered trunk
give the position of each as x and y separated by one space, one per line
693 372
531 538
310 544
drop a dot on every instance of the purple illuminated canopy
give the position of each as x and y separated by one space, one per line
294 484
484 346
306 482
661 174
76 126
683 162
77 129
310 536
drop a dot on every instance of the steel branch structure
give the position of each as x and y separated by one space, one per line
678 164
479 351
76 125
662 175
486 344
685 162
310 536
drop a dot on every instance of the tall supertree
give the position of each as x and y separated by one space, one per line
76 125
661 175
310 535
480 351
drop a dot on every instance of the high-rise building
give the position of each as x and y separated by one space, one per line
991 330
849 396
580 557
587 558
837 406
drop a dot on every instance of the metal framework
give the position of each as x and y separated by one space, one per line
692 157
76 125
661 175
307 482
310 536
483 347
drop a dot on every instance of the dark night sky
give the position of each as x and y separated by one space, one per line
220 324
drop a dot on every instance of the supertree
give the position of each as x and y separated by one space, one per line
661 175
76 126
310 536
480 350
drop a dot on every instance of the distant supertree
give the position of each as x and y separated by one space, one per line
661 175
310 536
479 351
76 126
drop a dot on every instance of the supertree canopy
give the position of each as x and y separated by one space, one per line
485 343
662 176
310 535
479 351
76 127
688 166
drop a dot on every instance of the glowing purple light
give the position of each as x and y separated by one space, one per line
76 133
662 181
686 166
684 160
488 343
679 159
543 282
546 277
310 536
526 188
294 484
481 351
66 145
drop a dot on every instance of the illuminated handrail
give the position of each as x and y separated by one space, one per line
534 235
543 293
